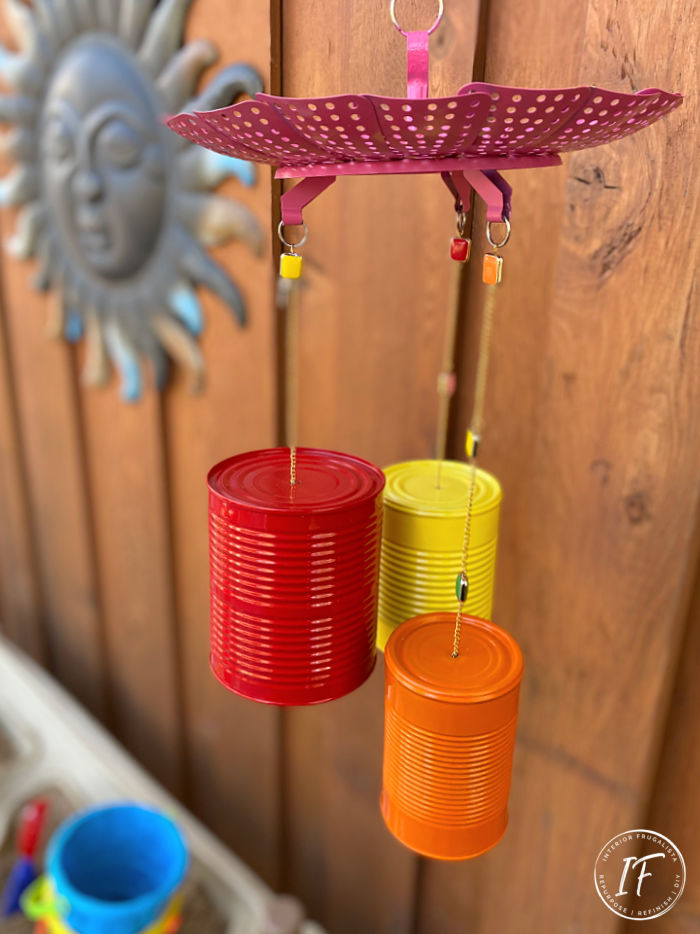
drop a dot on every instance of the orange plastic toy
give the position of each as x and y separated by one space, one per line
449 734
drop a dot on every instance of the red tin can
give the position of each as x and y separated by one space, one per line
294 574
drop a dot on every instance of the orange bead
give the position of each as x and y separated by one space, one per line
492 269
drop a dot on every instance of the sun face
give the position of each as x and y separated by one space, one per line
118 209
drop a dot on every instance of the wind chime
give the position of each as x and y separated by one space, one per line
295 533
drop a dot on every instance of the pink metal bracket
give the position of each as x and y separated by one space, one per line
488 184
459 175
461 192
295 200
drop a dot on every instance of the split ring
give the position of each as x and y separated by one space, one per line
498 244
461 222
291 246
392 13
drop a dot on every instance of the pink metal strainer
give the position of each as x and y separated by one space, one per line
466 138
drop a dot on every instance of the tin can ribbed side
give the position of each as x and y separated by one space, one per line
422 542
449 735
293 600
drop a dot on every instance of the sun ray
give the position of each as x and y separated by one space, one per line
64 320
85 13
133 16
28 227
185 305
67 17
56 316
126 360
215 220
181 347
19 186
45 274
201 269
73 329
179 78
157 358
53 28
226 87
96 364
24 29
108 14
163 35
17 108
18 144
201 169
20 72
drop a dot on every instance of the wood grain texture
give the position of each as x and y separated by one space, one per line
371 332
675 805
56 478
21 615
232 744
592 431
58 508
592 428
128 489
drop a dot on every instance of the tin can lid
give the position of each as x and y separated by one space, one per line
411 486
419 656
326 481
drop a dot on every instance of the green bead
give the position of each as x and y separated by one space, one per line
462 587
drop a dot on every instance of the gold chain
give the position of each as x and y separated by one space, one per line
447 373
477 423
291 390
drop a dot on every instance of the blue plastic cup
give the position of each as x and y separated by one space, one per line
115 868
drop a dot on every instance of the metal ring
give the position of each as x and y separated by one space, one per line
286 242
462 217
502 243
392 13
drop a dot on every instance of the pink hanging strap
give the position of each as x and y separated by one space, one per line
417 63
417 55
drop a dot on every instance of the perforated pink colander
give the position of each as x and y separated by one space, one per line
485 127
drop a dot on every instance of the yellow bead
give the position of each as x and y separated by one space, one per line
472 444
290 265
492 269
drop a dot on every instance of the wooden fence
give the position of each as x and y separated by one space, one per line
593 430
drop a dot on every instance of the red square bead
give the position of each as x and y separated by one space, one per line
460 249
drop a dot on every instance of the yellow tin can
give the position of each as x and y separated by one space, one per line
422 541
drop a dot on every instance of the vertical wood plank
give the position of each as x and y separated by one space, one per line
20 602
44 393
371 333
128 487
56 481
675 805
57 488
593 434
233 744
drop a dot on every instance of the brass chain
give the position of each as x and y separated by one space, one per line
476 427
291 388
447 373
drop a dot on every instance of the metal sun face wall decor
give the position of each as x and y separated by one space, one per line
119 212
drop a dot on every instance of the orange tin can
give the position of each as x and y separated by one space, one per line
449 734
